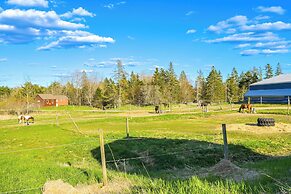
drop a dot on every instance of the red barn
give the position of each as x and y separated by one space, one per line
51 100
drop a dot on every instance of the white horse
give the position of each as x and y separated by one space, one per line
25 119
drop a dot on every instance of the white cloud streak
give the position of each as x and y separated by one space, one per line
29 3
78 12
274 9
191 31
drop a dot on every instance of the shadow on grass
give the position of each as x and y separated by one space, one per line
158 157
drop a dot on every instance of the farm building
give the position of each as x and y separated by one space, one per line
52 100
273 90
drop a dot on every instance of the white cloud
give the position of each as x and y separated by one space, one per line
253 36
246 37
235 21
191 31
130 37
35 18
274 9
262 17
126 61
1 9
279 25
3 60
102 46
78 39
87 71
78 12
29 3
251 52
189 13
275 44
243 45
275 51
112 5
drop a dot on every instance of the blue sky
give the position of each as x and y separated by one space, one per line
49 40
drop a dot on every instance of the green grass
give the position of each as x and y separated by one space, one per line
177 146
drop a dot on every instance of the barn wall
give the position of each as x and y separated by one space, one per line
63 102
271 86
268 100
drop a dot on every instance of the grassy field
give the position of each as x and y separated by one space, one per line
167 153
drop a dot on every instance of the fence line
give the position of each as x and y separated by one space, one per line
155 155
46 147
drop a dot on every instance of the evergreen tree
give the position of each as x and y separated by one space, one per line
135 85
172 85
186 89
215 90
200 87
110 94
232 87
278 70
120 77
269 71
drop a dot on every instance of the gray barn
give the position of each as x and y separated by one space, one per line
273 90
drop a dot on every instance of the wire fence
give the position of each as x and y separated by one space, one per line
123 160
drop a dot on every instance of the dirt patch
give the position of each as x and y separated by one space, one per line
60 187
252 127
226 169
7 117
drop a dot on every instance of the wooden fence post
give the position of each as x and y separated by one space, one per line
225 141
127 127
103 159
288 109
57 119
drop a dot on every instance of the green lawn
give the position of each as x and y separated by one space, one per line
171 149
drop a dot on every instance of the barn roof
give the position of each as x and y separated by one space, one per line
269 93
284 78
51 96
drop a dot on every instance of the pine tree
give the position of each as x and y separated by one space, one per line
278 70
135 93
232 87
172 85
269 71
215 90
120 77
200 87
186 89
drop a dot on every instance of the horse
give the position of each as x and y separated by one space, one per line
249 107
157 109
204 106
25 119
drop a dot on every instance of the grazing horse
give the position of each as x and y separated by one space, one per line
25 119
204 106
249 107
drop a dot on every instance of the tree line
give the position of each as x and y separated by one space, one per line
162 87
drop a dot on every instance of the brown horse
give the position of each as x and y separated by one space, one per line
249 107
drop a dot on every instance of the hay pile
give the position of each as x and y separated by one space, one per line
227 170
60 187
253 128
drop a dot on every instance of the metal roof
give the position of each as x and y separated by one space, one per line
51 96
269 93
284 78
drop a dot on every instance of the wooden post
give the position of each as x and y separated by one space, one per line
225 141
127 127
103 159
288 109
249 100
57 119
